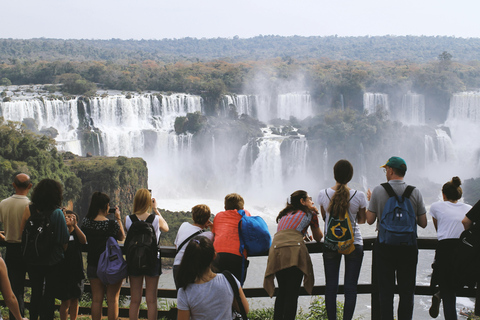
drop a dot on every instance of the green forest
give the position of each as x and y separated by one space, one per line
262 47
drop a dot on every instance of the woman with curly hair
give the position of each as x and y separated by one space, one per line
46 200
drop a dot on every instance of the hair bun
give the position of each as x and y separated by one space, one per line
456 181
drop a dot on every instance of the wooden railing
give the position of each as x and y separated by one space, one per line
313 248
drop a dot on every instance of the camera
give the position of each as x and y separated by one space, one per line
112 210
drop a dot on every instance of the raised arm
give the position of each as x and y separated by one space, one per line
121 231
162 223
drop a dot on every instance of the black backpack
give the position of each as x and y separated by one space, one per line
467 259
38 238
141 246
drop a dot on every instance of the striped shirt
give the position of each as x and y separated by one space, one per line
299 221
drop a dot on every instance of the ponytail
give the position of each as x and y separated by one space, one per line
343 173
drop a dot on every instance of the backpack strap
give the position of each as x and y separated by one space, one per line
236 293
352 196
242 244
326 193
408 192
134 218
389 190
188 239
150 218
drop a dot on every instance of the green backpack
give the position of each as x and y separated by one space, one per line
339 234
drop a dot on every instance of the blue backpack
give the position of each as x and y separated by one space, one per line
398 224
254 236
112 268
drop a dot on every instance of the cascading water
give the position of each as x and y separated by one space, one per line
298 105
266 107
458 151
244 104
61 115
372 102
412 111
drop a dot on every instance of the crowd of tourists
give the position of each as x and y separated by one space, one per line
210 267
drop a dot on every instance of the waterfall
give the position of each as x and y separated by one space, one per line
363 167
413 109
298 105
244 104
326 169
283 106
372 102
59 114
445 148
463 121
266 171
465 106
123 122
430 151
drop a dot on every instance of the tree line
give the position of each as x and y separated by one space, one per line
366 48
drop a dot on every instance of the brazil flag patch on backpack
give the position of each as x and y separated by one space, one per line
339 234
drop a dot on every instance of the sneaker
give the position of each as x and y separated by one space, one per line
435 308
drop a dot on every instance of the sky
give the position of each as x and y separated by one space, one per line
159 19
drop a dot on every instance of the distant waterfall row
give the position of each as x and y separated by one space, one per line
410 112
266 107
121 123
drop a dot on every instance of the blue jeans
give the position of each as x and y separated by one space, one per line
353 263
400 263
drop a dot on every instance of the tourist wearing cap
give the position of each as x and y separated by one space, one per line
395 261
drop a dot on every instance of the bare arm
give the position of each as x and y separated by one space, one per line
317 233
435 223
162 223
26 215
121 231
467 223
183 314
371 217
244 301
362 215
8 296
422 220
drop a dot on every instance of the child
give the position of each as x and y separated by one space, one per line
204 294
71 277
201 215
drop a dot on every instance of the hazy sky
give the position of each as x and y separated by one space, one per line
158 19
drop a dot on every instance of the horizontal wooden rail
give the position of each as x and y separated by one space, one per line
259 292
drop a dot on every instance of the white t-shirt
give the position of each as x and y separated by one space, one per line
211 300
155 226
449 218
185 231
356 203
